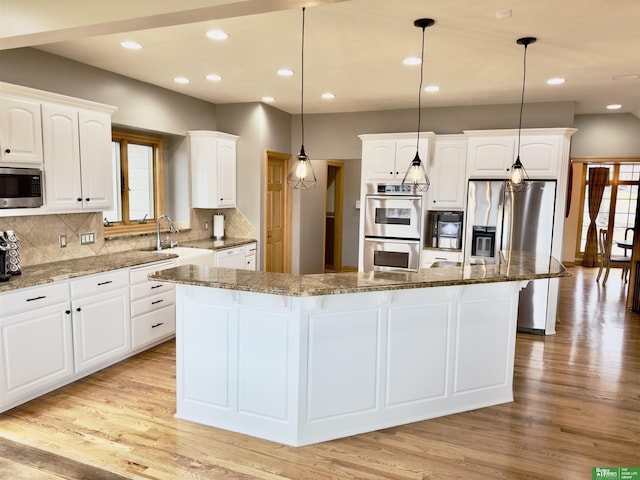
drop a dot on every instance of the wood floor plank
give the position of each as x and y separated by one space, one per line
576 406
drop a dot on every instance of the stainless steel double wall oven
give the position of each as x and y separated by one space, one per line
394 220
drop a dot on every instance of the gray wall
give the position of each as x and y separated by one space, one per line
606 135
260 128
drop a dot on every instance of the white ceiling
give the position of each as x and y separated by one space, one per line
353 48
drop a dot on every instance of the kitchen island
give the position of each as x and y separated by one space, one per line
300 359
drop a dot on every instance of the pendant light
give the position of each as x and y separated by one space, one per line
518 178
302 176
416 176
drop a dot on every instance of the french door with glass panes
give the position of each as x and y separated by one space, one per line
618 207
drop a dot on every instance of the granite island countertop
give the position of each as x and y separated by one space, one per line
67 269
518 266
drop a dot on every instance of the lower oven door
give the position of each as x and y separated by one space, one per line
394 254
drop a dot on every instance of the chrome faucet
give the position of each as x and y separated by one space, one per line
172 230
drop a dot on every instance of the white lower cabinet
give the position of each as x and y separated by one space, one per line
429 257
36 353
153 310
101 321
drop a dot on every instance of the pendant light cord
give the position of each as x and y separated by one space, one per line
420 90
302 82
524 79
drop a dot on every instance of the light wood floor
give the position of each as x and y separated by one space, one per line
577 406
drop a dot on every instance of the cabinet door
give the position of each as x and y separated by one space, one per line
96 163
448 175
20 133
36 352
540 155
63 190
202 150
490 157
378 159
226 171
406 152
101 329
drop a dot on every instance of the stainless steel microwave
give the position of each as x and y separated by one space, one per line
20 187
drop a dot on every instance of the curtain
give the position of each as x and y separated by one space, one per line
598 179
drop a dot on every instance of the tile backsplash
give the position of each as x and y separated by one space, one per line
39 234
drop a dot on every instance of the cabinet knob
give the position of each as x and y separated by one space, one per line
78 309
390 173
79 199
8 150
67 312
87 199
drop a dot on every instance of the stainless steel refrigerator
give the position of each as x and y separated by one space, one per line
520 221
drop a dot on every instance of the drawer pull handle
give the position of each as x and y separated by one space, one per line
156 286
36 298
156 301
157 325
105 283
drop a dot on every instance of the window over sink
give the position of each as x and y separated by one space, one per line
138 183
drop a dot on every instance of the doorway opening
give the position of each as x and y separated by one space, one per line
277 213
333 217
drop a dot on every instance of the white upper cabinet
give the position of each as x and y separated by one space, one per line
388 156
20 133
543 152
213 169
447 173
490 157
78 167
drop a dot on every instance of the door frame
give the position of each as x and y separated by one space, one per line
339 203
286 158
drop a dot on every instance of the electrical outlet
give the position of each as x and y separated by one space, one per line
87 238
206 225
62 240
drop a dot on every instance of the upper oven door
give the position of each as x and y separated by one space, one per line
393 216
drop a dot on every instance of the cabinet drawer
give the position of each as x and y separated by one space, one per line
34 297
139 274
250 249
96 284
153 326
154 302
150 288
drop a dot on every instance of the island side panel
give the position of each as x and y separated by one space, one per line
301 370
237 358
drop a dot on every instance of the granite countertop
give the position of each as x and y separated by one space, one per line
519 266
66 269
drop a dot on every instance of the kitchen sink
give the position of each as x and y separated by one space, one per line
191 255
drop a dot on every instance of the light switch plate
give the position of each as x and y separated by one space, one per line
62 240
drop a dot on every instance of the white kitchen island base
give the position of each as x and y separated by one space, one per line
305 369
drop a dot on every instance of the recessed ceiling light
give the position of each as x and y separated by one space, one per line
181 80
614 106
131 45
285 72
556 81
432 88
412 61
217 35
328 96
268 99
214 77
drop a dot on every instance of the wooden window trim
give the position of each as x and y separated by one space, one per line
158 183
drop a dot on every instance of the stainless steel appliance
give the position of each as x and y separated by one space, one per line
517 221
391 254
445 230
20 187
393 225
